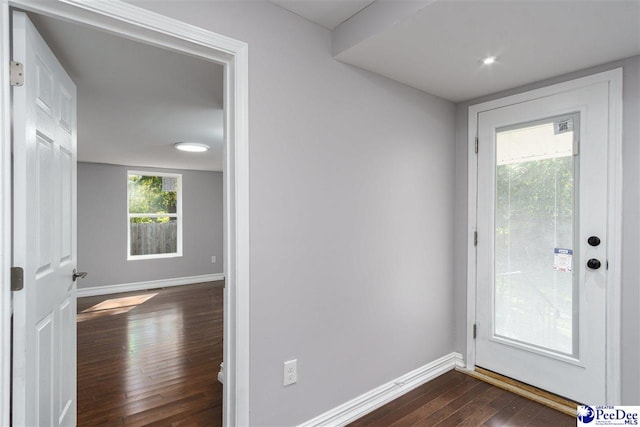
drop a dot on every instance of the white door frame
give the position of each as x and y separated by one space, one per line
142 25
614 217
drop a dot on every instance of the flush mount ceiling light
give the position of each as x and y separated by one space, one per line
488 60
192 147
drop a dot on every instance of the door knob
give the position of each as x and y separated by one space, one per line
594 264
593 240
77 274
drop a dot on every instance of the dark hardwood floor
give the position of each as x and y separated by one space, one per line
456 399
151 358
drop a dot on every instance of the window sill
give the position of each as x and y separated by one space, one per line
154 256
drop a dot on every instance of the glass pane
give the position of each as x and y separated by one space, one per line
152 194
534 234
150 236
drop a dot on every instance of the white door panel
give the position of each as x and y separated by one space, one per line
538 322
44 244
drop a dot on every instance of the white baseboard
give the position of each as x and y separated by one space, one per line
151 284
367 402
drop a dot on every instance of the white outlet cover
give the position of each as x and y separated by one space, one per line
290 372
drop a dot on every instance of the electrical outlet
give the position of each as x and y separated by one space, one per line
290 372
213 259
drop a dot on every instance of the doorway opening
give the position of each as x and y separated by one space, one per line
137 24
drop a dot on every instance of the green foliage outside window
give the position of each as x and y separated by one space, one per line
541 189
146 196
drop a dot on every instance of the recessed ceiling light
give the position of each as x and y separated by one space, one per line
489 60
193 147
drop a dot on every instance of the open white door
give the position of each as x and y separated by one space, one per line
44 234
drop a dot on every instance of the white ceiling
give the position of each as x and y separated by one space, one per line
327 13
136 100
437 46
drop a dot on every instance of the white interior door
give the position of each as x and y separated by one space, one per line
542 242
44 227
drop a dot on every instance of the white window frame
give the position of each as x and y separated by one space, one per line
177 215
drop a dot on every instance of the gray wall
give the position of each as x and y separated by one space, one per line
352 179
102 227
631 218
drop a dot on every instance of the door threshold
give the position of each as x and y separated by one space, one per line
543 397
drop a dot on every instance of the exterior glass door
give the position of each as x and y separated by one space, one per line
541 284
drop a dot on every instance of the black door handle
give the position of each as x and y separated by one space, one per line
593 240
594 264
76 275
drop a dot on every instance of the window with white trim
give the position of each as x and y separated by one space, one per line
154 210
